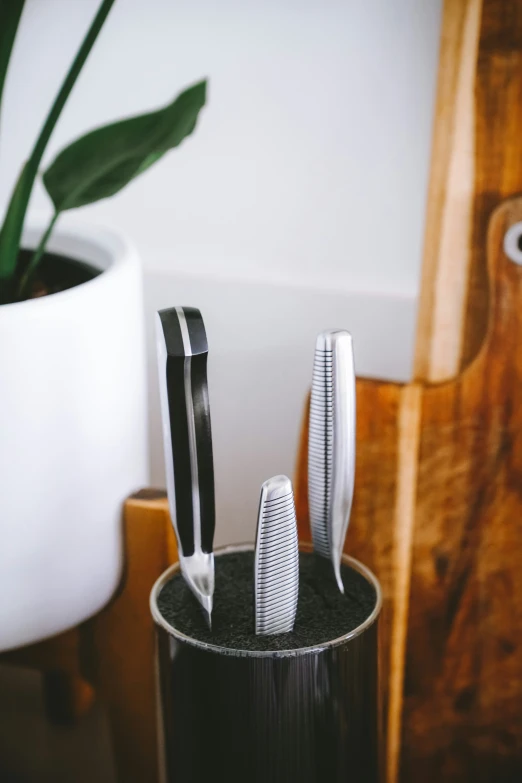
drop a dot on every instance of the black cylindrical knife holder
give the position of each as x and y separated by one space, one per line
308 715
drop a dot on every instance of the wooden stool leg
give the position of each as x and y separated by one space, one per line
66 697
120 641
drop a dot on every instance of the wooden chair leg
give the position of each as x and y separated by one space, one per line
66 697
119 644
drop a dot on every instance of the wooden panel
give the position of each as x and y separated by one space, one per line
463 697
454 520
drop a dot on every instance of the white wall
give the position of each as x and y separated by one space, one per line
311 159
298 204
261 345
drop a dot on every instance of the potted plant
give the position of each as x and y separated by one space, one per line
72 374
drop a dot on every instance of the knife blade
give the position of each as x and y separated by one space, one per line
182 352
331 445
276 574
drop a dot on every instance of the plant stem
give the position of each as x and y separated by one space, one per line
35 258
10 13
70 79
14 220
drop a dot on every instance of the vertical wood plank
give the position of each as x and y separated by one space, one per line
447 252
405 506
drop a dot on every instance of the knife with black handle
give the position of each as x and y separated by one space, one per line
182 364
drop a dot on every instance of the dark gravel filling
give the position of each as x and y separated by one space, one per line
323 613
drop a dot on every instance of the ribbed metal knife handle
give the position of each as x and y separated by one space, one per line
331 445
276 559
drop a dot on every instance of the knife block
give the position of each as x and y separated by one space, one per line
305 715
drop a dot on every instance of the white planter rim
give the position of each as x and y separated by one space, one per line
92 244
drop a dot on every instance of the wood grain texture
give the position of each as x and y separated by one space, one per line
463 697
447 251
460 712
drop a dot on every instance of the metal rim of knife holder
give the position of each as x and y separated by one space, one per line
303 547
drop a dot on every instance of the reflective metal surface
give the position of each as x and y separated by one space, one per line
331 445
276 576
299 716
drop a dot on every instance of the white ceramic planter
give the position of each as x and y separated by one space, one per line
72 438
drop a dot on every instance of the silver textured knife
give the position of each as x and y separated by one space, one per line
331 445
182 364
276 559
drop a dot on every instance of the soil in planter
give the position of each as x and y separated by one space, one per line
57 273
323 613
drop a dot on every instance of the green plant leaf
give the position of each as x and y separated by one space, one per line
11 232
10 13
103 161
